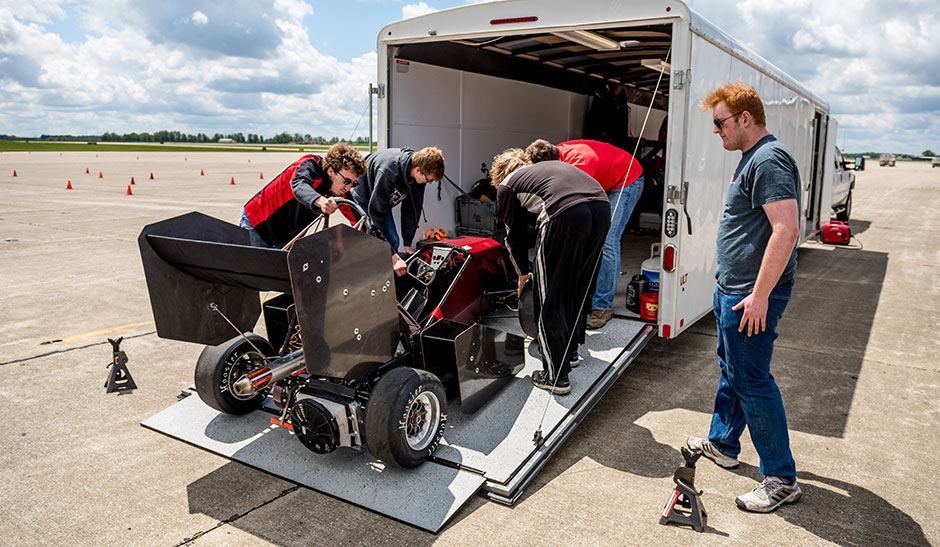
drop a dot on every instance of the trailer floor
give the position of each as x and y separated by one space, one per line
489 446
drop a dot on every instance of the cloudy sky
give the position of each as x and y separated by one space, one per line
271 66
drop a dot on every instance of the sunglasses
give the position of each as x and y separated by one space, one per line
723 120
426 179
348 182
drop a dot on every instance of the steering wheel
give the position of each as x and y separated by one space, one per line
425 264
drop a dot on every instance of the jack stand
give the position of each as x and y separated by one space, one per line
686 496
119 379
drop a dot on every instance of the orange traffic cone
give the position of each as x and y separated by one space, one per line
151 175
185 159
138 157
14 172
233 180
202 173
129 193
100 175
87 171
261 176
69 185
249 161
96 155
132 180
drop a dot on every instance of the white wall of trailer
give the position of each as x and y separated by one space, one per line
471 118
686 294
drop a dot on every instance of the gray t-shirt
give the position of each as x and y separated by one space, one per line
767 172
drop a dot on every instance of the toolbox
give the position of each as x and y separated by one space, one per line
476 218
836 232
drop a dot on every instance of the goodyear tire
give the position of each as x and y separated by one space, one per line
527 319
405 417
219 366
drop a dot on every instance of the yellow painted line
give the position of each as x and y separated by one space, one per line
97 333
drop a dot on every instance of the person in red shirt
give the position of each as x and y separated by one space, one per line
621 177
299 194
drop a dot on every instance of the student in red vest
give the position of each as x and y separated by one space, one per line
307 188
621 177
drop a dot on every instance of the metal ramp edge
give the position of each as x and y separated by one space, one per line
509 492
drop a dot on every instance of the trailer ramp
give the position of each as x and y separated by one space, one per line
491 451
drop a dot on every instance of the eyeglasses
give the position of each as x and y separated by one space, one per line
723 120
426 179
347 181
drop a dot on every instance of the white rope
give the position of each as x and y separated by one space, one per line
538 432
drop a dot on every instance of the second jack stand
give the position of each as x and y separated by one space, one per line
119 379
686 496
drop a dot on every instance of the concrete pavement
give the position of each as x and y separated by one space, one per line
856 361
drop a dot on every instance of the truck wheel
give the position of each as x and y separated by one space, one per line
219 366
847 211
405 417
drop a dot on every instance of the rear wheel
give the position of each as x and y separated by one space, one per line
405 417
219 366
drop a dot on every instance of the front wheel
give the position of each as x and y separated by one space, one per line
219 366
405 417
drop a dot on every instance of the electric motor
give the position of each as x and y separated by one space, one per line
314 425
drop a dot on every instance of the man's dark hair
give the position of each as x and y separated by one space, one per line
542 150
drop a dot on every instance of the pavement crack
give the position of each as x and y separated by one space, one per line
233 518
48 353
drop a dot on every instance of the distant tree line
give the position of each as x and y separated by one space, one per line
177 136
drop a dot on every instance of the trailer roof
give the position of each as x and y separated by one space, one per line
529 30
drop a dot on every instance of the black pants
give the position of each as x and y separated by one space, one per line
567 256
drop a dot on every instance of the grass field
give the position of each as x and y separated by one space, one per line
42 146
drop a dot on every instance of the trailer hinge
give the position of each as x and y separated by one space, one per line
378 90
673 194
681 78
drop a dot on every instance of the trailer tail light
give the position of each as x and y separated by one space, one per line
511 20
669 258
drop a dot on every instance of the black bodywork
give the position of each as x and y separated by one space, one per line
339 296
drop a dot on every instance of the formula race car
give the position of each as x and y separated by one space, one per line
353 355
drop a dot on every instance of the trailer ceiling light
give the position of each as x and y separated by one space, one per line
594 40
655 64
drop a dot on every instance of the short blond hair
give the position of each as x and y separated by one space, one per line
505 163
431 162
344 156
738 97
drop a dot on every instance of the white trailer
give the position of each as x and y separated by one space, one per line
477 79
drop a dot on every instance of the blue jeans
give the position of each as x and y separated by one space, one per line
622 202
391 232
747 393
255 237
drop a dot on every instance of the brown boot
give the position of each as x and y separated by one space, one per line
599 318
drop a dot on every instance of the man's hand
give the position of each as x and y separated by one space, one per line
327 205
754 318
522 281
399 265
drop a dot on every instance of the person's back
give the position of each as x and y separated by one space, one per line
612 167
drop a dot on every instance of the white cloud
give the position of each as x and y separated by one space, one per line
199 18
875 62
414 10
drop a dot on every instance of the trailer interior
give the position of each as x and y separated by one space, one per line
480 96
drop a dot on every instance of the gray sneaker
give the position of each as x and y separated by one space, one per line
709 451
769 495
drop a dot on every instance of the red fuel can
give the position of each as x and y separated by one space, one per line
649 306
836 232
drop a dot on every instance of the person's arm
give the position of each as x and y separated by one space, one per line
303 185
515 219
380 203
784 221
411 209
